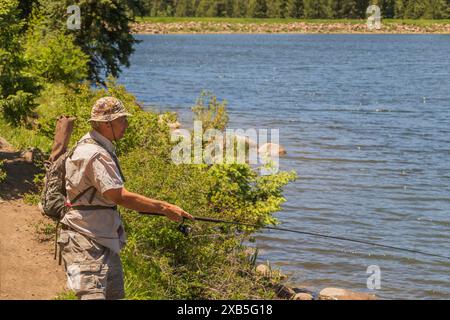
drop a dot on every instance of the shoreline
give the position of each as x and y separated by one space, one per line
301 27
37 245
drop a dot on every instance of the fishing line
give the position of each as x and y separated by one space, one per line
204 219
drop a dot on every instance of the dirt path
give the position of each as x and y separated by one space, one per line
27 268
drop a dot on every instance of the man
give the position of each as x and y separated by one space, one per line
92 232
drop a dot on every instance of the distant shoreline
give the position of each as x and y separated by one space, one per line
280 26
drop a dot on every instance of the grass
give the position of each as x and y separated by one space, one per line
21 138
31 198
419 22
66 295
45 230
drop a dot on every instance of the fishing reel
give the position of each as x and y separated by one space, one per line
184 229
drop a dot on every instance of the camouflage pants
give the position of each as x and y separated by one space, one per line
93 271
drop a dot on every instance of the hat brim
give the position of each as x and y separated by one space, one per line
110 117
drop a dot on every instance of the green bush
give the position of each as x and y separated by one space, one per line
18 88
210 112
159 261
53 56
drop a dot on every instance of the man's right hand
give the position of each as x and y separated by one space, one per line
175 213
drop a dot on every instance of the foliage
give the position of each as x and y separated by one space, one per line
45 230
210 112
324 9
104 33
23 138
17 87
53 56
66 295
211 263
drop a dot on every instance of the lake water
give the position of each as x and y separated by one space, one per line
365 122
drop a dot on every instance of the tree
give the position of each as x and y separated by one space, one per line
257 9
361 8
206 8
183 8
104 35
387 8
293 9
17 88
53 56
436 9
348 9
314 9
275 9
239 9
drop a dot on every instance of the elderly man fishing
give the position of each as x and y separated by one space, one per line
92 232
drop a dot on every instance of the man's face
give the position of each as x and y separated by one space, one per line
119 126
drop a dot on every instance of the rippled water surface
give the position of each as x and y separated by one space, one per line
365 122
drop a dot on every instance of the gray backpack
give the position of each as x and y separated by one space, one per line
54 195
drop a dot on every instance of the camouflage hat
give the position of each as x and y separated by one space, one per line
108 109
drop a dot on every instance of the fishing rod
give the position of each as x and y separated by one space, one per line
186 230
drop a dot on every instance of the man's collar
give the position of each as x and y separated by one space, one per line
103 140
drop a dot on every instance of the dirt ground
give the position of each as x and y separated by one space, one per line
27 267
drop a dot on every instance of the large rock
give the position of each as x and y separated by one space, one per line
343 294
164 119
284 292
303 296
271 149
174 125
263 270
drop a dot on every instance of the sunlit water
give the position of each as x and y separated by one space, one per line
365 122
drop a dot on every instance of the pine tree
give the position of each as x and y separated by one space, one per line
314 9
104 35
415 9
183 8
436 9
387 8
361 8
400 9
228 12
348 9
334 9
257 9
333 6
275 9
17 88
203 8
293 9
239 9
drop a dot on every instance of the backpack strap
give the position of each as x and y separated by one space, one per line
83 193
